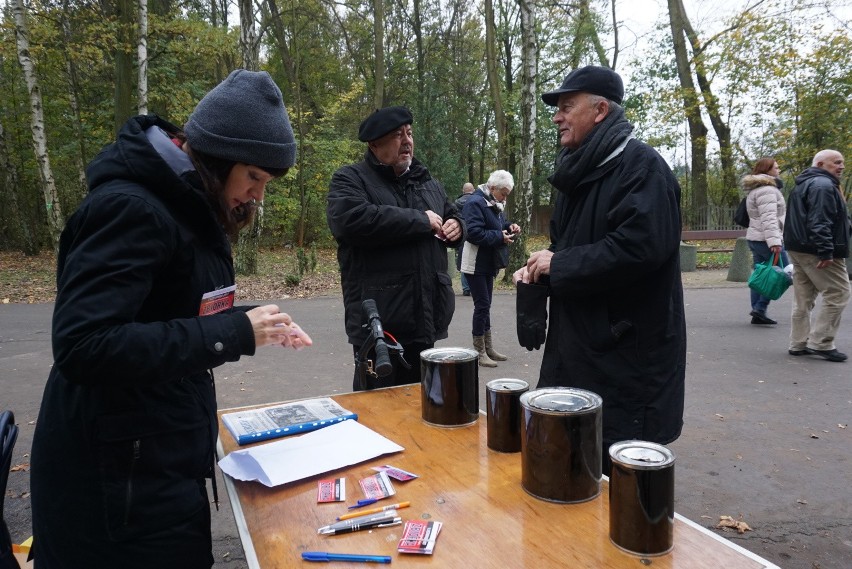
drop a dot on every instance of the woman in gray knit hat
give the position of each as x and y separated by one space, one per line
144 310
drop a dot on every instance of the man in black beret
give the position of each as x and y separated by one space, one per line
393 224
612 271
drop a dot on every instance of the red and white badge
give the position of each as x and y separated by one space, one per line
217 301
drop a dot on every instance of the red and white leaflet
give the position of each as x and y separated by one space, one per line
377 486
331 490
419 537
396 473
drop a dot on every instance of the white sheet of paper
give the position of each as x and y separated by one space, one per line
294 458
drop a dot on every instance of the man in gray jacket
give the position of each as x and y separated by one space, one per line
816 235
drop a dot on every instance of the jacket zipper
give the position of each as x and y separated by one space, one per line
137 452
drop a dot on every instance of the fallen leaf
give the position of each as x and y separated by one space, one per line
18 467
841 425
813 436
726 522
801 501
720 416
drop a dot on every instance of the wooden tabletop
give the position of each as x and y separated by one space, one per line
489 520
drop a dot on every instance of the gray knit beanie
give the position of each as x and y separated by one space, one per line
243 119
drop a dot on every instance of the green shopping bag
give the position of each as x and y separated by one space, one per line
769 279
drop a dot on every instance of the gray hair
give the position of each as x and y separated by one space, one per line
500 179
824 156
595 99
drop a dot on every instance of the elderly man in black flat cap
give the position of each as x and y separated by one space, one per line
612 269
393 224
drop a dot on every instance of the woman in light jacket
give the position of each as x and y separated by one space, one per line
766 211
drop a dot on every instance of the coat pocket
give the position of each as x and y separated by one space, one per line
395 300
150 466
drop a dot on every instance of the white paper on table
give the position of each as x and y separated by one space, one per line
294 458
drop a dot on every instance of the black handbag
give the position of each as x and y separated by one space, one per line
741 215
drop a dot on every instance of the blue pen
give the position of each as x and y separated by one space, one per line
362 503
322 556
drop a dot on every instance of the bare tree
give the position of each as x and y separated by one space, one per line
245 256
142 57
123 64
73 100
55 219
691 107
522 200
494 82
12 184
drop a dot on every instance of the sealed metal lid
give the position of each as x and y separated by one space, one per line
641 455
448 355
508 385
562 400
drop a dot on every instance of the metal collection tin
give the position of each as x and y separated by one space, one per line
641 497
449 386
503 410
561 444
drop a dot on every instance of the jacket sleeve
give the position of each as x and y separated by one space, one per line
767 207
641 230
115 252
822 211
354 216
478 232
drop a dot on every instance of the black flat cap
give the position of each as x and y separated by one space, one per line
382 122
592 79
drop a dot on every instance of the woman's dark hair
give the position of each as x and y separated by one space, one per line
764 165
214 173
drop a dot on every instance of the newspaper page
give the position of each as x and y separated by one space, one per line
284 419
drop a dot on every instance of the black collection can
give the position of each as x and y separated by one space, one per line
641 497
449 386
561 444
503 411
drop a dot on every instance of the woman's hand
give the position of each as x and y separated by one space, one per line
272 326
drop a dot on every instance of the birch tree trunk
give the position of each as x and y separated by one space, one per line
142 57
379 51
55 219
689 96
494 84
245 257
522 200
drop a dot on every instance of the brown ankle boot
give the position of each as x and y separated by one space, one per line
489 349
479 346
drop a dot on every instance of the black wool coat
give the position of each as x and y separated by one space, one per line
616 319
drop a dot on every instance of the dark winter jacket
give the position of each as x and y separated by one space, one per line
817 222
126 431
388 251
616 308
484 251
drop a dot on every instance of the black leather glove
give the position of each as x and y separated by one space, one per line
532 314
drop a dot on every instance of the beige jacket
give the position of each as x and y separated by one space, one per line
766 209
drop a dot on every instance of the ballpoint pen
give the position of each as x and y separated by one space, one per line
322 556
383 519
374 511
365 502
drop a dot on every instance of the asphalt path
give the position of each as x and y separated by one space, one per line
766 436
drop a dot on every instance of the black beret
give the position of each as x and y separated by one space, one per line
382 121
592 79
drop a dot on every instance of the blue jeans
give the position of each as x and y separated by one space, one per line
481 289
760 253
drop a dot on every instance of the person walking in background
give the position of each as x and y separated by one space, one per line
766 210
617 324
393 224
816 234
127 429
485 252
467 191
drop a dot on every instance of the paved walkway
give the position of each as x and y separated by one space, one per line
766 435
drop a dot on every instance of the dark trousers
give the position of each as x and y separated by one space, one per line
481 290
760 253
400 375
